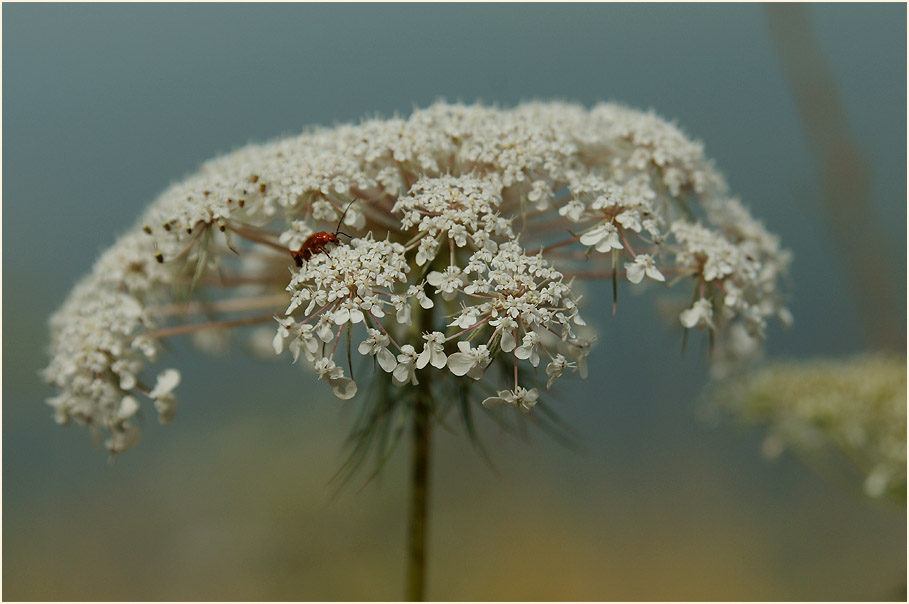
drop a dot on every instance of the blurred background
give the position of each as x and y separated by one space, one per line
105 105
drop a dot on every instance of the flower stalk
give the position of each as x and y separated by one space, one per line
418 517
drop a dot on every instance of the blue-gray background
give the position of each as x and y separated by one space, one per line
105 105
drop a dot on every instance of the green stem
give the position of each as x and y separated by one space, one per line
421 420
419 494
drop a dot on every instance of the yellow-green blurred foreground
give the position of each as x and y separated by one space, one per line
243 512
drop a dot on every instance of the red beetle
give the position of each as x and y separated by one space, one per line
316 242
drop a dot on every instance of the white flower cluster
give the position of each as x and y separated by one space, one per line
352 285
857 406
463 228
517 298
459 208
99 349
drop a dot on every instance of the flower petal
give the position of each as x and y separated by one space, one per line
343 388
387 360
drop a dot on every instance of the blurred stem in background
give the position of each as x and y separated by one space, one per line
843 174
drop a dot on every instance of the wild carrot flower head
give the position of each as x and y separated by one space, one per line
464 231
854 406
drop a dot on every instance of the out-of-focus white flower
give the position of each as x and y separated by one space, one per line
604 237
573 210
579 349
123 435
630 219
162 393
540 194
296 234
856 406
700 313
129 406
556 368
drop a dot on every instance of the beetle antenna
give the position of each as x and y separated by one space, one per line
338 229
